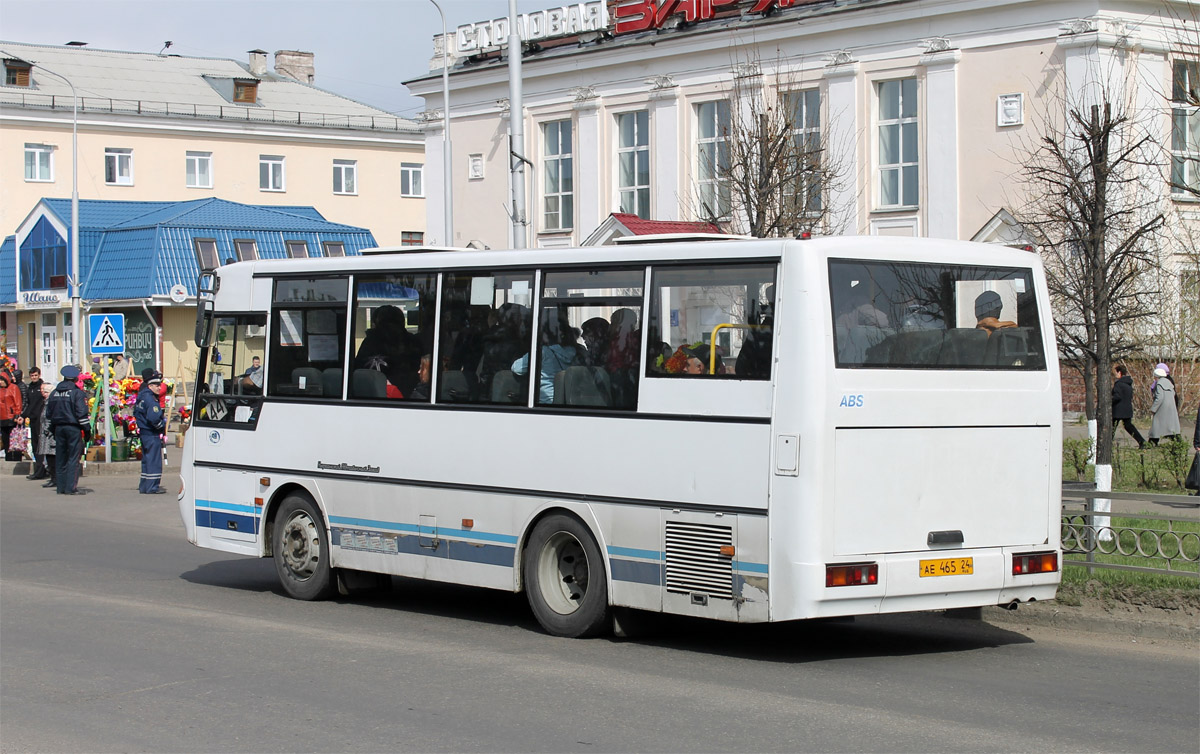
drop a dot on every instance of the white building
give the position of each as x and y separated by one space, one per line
929 106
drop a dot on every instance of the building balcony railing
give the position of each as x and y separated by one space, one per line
36 101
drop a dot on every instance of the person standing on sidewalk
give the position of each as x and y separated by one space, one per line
45 440
1122 404
34 407
67 411
151 423
10 409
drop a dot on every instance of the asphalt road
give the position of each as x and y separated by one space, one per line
117 635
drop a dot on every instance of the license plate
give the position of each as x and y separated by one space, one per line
948 567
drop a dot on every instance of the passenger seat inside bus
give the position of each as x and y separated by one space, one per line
582 386
307 381
506 388
331 381
368 383
453 387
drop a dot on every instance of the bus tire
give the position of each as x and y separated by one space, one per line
564 578
301 550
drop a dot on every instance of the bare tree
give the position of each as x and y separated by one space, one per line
772 171
1097 208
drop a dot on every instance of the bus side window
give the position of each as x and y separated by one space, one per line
393 332
712 322
486 326
308 338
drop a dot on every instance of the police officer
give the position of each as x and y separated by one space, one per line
67 412
152 423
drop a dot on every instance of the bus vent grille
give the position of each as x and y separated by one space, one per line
694 560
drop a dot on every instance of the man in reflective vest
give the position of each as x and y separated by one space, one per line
67 412
151 423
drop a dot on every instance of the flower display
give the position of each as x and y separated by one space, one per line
677 362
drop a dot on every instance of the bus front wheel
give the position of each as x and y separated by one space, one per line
301 550
564 578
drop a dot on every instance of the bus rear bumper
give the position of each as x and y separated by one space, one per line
900 587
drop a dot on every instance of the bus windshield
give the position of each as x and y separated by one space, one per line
903 315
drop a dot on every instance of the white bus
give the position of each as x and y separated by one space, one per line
744 430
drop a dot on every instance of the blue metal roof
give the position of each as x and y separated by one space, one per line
132 250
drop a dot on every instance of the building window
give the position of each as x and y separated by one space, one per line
118 167
411 179
206 253
247 250
245 92
43 257
412 238
1185 128
712 159
39 162
345 176
334 249
199 170
898 177
16 73
804 114
633 162
297 249
270 172
558 190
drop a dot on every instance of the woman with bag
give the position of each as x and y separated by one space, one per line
1165 424
10 409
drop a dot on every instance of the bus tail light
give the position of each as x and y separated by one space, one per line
1035 562
851 574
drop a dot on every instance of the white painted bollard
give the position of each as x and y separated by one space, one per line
1103 505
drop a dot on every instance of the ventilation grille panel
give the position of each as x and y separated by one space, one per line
694 560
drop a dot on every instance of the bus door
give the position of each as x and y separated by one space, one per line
228 401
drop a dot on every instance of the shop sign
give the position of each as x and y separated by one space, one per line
43 299
639 15
542 24
140 347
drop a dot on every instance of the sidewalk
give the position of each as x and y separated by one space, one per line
98 468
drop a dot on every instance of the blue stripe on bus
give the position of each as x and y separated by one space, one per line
252 510
741 565
631 552
636 571
221 520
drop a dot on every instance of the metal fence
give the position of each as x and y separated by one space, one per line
1140 532
209 112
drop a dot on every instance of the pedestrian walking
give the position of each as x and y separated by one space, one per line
151 423
10 410
1122 404
35 405
67 410
1164 424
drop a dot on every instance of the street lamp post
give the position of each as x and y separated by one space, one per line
447 161
76 325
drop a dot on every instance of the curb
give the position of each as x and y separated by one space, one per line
92 468
1055 615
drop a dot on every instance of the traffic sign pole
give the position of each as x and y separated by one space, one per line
107 411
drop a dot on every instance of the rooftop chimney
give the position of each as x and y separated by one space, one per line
296 65
258 62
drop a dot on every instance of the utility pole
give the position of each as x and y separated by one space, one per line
516 130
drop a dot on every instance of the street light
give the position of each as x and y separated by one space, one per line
76 325
447 162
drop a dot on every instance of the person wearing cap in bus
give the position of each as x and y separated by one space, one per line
67 412
988 306
151 423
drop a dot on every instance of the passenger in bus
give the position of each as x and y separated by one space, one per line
251 381
424 375
559 351
858 309
624 344
987 310
698 361
595 342
389 347
504 342
754 360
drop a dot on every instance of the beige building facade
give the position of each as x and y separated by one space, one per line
930 109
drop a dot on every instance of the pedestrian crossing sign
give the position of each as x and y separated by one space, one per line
107 333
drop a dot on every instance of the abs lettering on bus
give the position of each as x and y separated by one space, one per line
851 401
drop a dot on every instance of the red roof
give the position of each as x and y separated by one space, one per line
639 227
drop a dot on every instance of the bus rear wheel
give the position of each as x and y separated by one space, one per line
564 578
301 550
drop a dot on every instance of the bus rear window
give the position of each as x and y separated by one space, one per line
898 315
